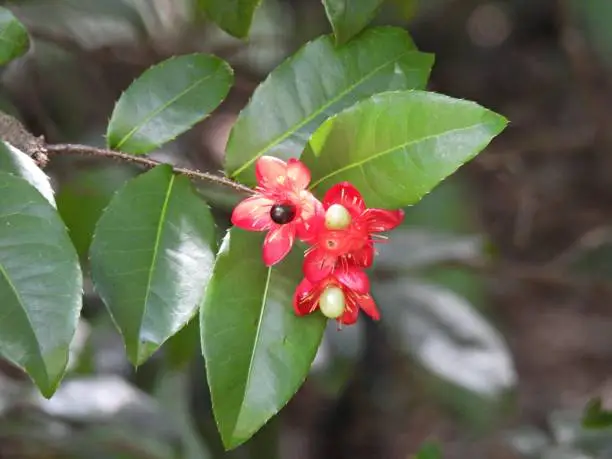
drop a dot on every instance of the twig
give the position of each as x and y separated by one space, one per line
84 150
591 240
12 131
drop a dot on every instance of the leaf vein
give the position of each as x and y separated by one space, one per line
293 129
160 226
255 341
160 109
392 150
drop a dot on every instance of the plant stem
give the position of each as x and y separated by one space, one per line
85 150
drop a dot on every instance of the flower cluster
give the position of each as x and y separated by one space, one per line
340 232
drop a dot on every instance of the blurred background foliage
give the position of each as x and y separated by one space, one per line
495 331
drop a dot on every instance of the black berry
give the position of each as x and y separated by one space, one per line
282 213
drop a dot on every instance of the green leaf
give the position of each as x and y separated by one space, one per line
167 100
181 348
349 17
429 451
406 8
595 416
14 40
258 352
317 82
18 163
151 256
40 284
81 199
233 16
397 146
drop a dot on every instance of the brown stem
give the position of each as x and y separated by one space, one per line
84 150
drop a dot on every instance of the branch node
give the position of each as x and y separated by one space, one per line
41 158
13 132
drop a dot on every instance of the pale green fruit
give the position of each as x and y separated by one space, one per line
337 217
332 302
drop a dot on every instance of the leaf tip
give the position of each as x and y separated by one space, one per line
231 440
132 356
140 352
47 386
497 122
47 391
230 443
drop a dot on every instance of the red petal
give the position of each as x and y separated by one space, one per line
253 213
366 302
378 220
312 219
363 257
298 173
351 313
346 194
278 243
304 300
354 279
318 264
270 171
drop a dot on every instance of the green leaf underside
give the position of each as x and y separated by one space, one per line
21 165
258 352
319 81
396 147
151 257
167 100
233 16
14 40
349 17
40 284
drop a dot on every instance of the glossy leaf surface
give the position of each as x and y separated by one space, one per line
40 284
14 40
258 352
167 100
396 147
151 256
18 163
315 83
349 17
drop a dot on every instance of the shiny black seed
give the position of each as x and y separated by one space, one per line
282 213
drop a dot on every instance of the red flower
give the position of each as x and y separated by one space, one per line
281 205
339 296
344 233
